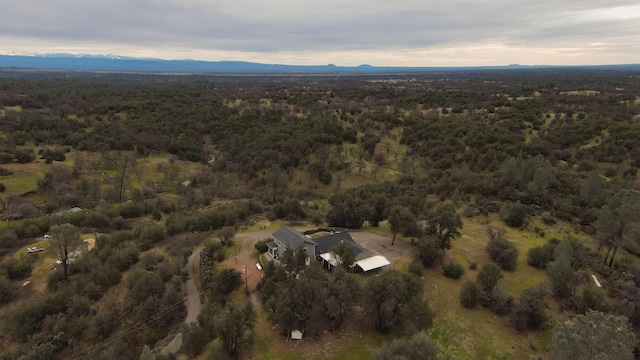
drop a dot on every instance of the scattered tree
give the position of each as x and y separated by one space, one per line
343 291
400 218
234 327
429 251
529 310
65 239
513 214
453 270
345 255
226 235
503 252
488 276
394 298
617 223
445 224
471 294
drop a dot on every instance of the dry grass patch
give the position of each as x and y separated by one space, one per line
581 92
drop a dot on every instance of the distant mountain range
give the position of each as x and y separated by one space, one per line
127 64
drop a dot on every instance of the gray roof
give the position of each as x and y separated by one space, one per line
291 238
326 243
272 245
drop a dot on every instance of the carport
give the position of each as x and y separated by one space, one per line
372 263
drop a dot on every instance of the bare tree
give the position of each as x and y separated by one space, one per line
65 239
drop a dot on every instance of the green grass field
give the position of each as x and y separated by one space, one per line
25 177
478 333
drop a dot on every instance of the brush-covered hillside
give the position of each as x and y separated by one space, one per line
509 200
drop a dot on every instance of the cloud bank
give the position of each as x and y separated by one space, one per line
377 32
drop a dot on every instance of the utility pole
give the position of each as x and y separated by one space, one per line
246 278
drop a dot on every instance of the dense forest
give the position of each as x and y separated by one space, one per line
514 190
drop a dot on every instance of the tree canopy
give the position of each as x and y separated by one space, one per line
594 335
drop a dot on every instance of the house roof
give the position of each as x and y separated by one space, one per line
326 243
272 245
372 263
291 238
330 258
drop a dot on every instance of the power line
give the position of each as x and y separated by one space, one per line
131 329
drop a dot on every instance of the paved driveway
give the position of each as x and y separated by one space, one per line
382 245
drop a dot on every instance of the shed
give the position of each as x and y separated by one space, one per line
296 335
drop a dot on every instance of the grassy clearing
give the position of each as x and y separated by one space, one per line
25 177
16 108
581 92
478 333
270 345
148 165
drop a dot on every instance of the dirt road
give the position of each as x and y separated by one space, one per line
193 304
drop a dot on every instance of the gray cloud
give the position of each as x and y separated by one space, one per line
321 27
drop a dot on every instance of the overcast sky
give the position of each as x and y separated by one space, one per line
342 32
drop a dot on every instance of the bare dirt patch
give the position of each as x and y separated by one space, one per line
91 243
245 258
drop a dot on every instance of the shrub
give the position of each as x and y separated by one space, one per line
471 294
488 277
497 300
2 187
156 214
261 246
416 347
143 284
18 270
150 260
8 291
5 158
289 209
219 254
538 257
194 339
150 234
125 256
529 310
227 280
95 219
429 252
503 252
27 318
132 210
25 155
118 223
453 270
513 214
416 268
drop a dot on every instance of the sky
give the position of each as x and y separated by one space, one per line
340 32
